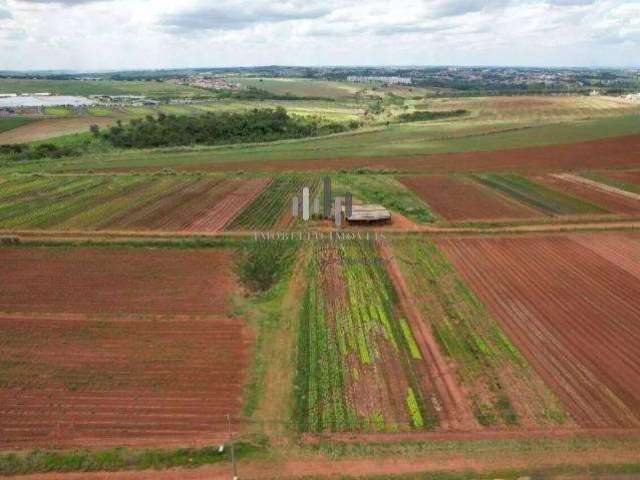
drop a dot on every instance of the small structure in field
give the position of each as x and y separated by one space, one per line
368 214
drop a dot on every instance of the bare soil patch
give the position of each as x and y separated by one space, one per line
458 200
227 208
113 281
105 347
51 127
610 200
130 381
572 312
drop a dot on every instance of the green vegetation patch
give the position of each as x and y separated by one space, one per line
273 203
384 190
9 123
215 128
58 111
42 461
538 196
613 182
488 365
424 115
263 262
350 340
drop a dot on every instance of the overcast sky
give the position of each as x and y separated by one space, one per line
114 34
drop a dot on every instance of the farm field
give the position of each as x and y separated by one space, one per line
402 147
125 202
612 198
106 347
360 366
9 123
538 109
273 206
567 302
300 87
501 389
44 129
629 181
459 198
546 200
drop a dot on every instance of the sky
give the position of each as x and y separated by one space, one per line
143 34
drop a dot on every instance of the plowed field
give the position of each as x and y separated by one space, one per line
124 202
118 347
86 382
217 217
608 197
604 153
457 199
572 310
115 281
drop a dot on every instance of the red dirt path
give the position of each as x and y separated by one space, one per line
319 467
465 200
108 281
622 151
456 413
571 311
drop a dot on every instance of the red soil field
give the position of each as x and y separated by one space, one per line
623 249
109 281
457 199
225 210
571 311
608 200
604 153
118 347
82 382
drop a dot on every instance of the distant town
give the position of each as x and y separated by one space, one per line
445 80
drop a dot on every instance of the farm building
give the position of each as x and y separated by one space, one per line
368 214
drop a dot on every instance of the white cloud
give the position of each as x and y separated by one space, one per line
107 34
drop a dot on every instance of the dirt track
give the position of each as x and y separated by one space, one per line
338 468
456 412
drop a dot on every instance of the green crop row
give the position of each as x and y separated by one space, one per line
488 365
97 202
273 203
538 196
355 348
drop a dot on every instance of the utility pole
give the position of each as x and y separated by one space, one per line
234 470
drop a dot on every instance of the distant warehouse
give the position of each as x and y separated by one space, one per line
383 79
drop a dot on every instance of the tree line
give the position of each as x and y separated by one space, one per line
216 128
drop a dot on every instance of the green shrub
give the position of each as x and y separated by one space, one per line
262 262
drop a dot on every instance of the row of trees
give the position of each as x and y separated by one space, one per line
258 125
